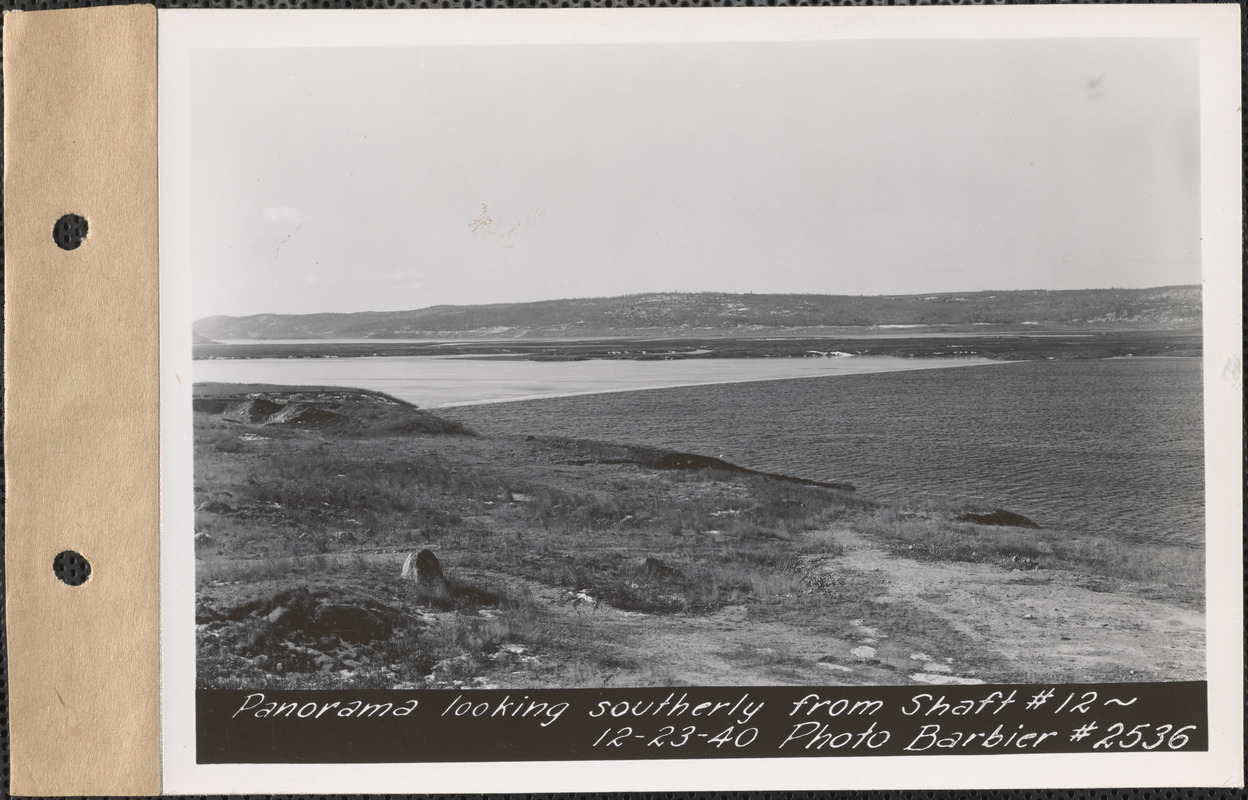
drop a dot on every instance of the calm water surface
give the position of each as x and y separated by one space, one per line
1112 446
437 381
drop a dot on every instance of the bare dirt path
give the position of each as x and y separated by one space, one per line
1041 624
727 648
998 626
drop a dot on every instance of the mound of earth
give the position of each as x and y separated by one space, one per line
253 410
311 614
997 516
305 415
658 458
346 410
669 459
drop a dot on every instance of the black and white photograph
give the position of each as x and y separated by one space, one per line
807 362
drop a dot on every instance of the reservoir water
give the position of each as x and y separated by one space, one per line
440 381
1111 446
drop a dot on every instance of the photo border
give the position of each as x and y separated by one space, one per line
1217 28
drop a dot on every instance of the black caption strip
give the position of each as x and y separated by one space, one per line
269 727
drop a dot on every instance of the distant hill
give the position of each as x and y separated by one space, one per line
720 313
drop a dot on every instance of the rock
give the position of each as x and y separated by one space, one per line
864 652
944 680
290 609
348 623
998 516
578 597
425 572
653 569
421 564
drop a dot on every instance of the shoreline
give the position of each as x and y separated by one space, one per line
1024 345
527 381
624 390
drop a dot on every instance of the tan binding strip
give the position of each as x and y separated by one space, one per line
81 425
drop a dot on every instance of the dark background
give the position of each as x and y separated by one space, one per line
429 734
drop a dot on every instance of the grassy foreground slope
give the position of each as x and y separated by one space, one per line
578 563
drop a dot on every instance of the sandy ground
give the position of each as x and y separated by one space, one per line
1015 626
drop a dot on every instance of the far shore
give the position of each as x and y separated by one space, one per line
1017 345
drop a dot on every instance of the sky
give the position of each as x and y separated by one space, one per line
379 179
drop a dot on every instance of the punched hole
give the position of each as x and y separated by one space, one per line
71 568
69 231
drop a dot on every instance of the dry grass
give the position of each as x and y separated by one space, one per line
251 570
945 540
